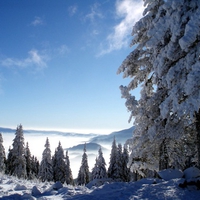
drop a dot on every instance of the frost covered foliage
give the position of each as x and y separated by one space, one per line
165 62
69 178
59 166
18 161
113 168
118 169
83 174
99 170
46 167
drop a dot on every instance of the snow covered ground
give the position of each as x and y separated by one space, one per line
151 189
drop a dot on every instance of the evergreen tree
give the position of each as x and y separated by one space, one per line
120 162
83 174
2 155
28 161
18 154
34 166
95 170
46 168
9 162
69 178
113 166
59 165
125 168
165 62
99 170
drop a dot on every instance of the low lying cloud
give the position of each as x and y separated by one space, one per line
34 59
130 11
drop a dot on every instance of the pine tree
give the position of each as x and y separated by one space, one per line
59 165
28 161
165 63
113 166
69 178
99 170
125 168
95 170
35 167
9 162
18 154
83 174
2 155
46 168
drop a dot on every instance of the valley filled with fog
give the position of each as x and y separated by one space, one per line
72 141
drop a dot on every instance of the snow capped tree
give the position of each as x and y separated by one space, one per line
9 162
18 154
99 170
95 170
69 178
125 169
113 165
2 155
46 168
165 63
28 161
59 165
35 166
83 174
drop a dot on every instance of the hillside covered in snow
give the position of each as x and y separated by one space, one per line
151 189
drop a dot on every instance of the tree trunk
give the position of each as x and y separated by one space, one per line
198 136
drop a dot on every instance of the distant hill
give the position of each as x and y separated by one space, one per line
7 130
44 132
120 136
89 147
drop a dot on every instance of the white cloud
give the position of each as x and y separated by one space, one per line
34 59
72 10
37 21
130 11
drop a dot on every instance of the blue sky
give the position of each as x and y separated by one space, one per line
58 63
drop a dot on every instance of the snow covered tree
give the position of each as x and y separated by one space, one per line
113 171
9 162
69 178
165 63
95 170
28 161
2 155
125 168
59 165
35 166
46 168
83 174
99 170
18 154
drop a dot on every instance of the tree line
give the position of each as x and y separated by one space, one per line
22 164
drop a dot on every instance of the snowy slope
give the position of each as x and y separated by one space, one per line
151 189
